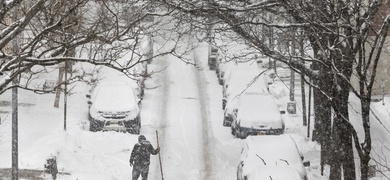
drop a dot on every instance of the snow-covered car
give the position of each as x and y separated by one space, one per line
244 81
242 76
221 71
213 57
114 106
257 114
233 94
271 157
230 109
224 68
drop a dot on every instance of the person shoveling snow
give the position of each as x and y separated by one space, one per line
140 157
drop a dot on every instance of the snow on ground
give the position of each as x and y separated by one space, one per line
183 103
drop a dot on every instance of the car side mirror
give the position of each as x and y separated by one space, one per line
88 95
89 102
306 163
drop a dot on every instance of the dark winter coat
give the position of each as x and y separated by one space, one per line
141 153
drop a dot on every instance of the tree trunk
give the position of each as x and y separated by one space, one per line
343 157
322 110
364 167
366 149
303 92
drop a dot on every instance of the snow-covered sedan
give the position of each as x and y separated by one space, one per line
257 114
213 57
271 157
114 106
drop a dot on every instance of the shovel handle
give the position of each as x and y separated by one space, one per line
159 157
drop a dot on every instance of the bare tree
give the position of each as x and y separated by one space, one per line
104 33
339 34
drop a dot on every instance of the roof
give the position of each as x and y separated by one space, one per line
258 107
271 150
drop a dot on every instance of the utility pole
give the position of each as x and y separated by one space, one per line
65 93
309 111
68 64
383 86
303 92
15 130
292 85
58 87
291 105
14 143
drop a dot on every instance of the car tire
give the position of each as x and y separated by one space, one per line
137 130
136 127
225 124
223 104
93 125
233 131
240 134
243 136
220 81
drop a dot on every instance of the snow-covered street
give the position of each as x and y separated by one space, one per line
191 149
182 102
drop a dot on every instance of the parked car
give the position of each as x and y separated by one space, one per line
221 71
271 157
229 103
243 82
213 57
257 114
237 74
114 106
223 67
230 109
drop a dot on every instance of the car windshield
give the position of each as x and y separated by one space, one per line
116 96
280 151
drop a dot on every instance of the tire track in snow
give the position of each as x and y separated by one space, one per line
207 157
198 162
183 124
164 77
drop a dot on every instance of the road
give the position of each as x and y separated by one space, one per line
194 144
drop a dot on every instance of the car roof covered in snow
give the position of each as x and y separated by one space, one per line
271 150
114 96
253 107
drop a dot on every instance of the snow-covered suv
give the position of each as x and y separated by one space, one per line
114 106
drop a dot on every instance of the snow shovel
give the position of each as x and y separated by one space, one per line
159 157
